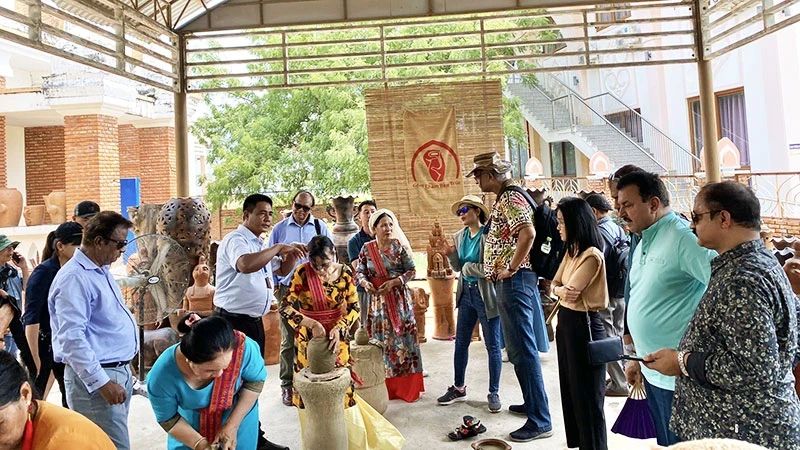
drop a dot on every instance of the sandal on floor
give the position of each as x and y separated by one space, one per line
474 423
471 427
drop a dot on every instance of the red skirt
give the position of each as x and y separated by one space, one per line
407 387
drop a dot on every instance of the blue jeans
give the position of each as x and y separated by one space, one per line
660 403
470 310
113 419
521 315
11 346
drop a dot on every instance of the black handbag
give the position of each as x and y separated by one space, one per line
604 350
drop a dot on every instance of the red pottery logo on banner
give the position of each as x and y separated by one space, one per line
439 159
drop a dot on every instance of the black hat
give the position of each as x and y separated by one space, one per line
69 233
598 202
86 209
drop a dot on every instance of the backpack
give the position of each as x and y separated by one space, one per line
545 223
616 252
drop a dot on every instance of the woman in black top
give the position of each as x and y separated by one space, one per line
66 238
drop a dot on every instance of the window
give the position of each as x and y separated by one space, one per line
562 159
731 122
629 122
612 17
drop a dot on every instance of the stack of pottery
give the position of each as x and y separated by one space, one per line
370 368
10 207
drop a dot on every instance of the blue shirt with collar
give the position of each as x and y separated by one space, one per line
288 231
90 322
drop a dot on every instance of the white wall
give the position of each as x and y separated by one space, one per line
15 155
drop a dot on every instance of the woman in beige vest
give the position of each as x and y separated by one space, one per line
580 284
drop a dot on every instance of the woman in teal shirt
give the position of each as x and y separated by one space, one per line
205 390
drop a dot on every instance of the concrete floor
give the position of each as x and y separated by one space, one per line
423 423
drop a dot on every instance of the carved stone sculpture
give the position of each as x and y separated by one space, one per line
56 203
371 369
200 296
441 281
323 397
188 221
34 215
421 303
342 210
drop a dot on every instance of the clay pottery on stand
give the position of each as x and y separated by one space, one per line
369 366
320 358
272 335
421 303
56 203
343 211
443 306
322 421
10 207
34 215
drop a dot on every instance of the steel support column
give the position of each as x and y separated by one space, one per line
708 107
181 125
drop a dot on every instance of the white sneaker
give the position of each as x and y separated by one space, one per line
504 355
139 388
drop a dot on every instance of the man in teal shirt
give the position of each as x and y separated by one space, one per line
669 273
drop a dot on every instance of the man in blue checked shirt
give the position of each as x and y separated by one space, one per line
93 331
298 228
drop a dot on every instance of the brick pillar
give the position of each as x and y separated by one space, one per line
129 166
3 154
44 163
91 144
157 161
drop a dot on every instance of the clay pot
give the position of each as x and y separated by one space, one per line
342 210
369 366
56 203
361 336
34 215
272 335
10 207
320 359
325 426
443 306
491 444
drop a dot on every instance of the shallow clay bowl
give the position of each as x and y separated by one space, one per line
491 444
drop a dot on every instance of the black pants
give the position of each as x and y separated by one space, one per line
47 365
583 386
253 328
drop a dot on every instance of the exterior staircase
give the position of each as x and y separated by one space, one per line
560 114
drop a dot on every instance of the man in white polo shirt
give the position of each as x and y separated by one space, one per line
244 276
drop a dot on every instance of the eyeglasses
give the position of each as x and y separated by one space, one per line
303 207
120 244
696 216
463 210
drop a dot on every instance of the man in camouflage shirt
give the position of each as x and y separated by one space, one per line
734 363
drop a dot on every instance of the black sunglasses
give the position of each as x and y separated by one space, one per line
120 244
303 207
696 216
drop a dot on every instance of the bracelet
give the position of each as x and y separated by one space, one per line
402 279
198 442
681 363
630 349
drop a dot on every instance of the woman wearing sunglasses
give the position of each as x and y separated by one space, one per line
475 300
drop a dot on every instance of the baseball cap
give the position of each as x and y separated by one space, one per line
5 242
598 202
69 233
86 209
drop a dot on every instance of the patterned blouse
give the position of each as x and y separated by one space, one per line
510 212
743 339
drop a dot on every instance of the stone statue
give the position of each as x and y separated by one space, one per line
200 296
56 203
438 264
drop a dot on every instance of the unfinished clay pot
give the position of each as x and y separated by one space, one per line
56 203
10 207
34 215
320 359
361 336
369 366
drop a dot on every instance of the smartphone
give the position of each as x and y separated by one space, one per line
16 257
631 358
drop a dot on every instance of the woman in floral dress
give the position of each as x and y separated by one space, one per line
384 267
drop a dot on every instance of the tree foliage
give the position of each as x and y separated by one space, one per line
282 140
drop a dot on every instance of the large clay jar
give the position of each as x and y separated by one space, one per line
323 397
345 226
188 221
370 368
272 335
10 207
56 203
320 358
34 215
421 303
443 307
